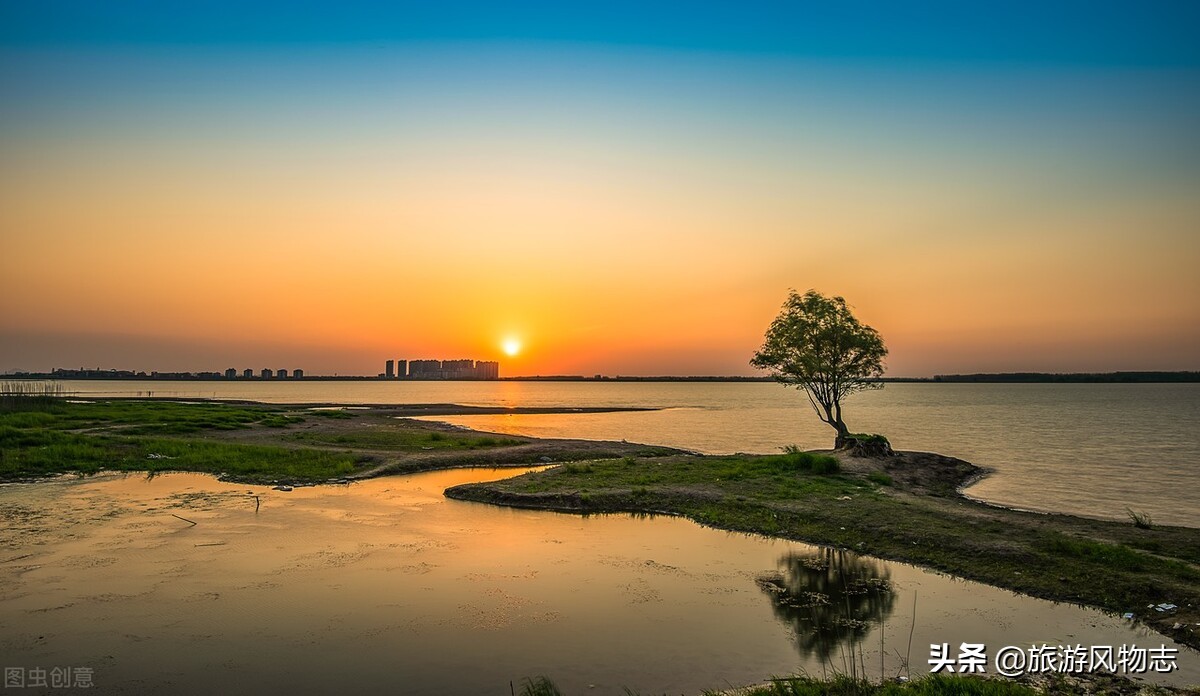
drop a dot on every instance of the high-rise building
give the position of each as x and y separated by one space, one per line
487 369
389 370
458 369
248 373
401 369
266 373
231 373
451 369
298 373
282 374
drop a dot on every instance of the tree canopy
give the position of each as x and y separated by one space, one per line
817 345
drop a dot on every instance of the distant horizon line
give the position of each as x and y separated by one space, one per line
1117 376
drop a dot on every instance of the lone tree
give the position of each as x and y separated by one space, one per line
817 345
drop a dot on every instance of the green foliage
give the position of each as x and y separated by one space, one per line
32 453
1111 555
818 345
403 438
868 438
931 685
793 460
880 478
136 417
841 685
280 421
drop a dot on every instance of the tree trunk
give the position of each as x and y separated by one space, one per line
842 434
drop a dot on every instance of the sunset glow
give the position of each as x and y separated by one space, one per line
185 198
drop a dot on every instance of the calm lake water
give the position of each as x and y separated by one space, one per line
385 586
1089 449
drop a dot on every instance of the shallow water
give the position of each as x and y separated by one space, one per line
1086 449
387 586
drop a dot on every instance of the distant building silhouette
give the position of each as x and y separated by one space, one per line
425 369
97 373
453 369
389 369
401 369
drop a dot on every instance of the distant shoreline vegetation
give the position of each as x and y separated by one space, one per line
983 377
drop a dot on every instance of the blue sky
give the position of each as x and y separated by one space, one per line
1015 182
1077 32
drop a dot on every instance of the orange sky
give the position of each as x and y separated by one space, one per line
610 227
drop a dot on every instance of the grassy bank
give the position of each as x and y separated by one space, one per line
43 434
41 438
903 508
929 685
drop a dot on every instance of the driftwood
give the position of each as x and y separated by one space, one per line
184 519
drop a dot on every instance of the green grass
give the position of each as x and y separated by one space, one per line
931 685
33 453
333 413
1110 555
403 439
138 417
781 477
880 478
41 437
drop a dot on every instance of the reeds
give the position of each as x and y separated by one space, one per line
26 394
1141 520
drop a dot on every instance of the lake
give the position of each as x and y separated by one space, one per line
1087 449
386 586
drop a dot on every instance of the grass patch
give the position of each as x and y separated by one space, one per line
880 478
137 417
1110 555
333 413
28 454
280 421
931 685
404 439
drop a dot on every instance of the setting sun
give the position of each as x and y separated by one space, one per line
511 346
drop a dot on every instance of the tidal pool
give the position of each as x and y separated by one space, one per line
386 586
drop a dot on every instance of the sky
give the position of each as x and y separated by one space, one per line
621 188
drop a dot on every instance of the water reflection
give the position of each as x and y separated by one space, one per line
829 599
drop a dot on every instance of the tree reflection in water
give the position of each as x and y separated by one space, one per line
830 599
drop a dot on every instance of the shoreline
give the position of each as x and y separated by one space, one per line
1065 558
910 508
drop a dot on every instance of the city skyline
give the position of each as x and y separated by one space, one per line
621 190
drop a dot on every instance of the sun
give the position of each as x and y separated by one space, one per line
511 346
